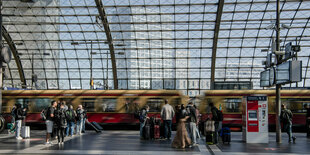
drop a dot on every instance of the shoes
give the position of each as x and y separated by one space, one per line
62 142
195 144
294 138
19 138
58 143
47 143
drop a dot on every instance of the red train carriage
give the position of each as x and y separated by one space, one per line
103 106
230 102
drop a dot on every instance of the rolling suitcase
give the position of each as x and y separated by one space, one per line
210 138
226 135
93 126
25 131
156 131
147 131
99 127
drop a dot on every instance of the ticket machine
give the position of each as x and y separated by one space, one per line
255 119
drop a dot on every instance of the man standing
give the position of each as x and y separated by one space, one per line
217 117
192 120
143 118
80 117
49 121
286 118
167 114
19 116
71 120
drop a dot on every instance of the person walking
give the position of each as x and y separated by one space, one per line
167 114
71 115
19 114
143 118
286 118
181 139
61 121
49 121
84 119
217 117
79 118
192 120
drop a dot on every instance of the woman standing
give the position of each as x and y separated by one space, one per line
181 139
61 123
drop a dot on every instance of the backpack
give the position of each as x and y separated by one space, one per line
219 115
70 115
286 116
79 114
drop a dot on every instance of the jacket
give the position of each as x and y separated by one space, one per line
167 112
289 113
191 111
143 115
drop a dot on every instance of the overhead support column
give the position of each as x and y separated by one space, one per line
18 62
215 38
109 39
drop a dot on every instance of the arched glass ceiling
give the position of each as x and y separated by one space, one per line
167 43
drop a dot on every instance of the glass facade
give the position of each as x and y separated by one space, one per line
167 43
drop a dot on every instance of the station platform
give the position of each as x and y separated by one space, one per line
128 142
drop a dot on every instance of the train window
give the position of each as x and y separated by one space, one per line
89 104
6 108
296 105
155 104
132 105
232 104
34 104
106 105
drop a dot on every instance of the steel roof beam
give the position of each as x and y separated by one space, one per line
155 22
18 62
105 23
215 38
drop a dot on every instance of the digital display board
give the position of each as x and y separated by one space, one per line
264 78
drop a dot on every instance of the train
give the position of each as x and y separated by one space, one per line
117 107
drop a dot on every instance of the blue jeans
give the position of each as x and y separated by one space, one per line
18 127
167 124
288 128
70 126
142 124
191 129
83 124
79 125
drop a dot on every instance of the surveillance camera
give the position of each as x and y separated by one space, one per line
269 27
286 26
279 52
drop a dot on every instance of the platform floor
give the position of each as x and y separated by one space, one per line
128 142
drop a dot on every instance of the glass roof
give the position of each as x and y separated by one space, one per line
167 43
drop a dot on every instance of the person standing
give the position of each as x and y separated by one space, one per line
192 120
61 121
79 118
49 121
286 118
84 119
181 139
143 118
71 115
167 114
217 117
19 117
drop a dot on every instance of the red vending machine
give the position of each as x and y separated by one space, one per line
255 119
